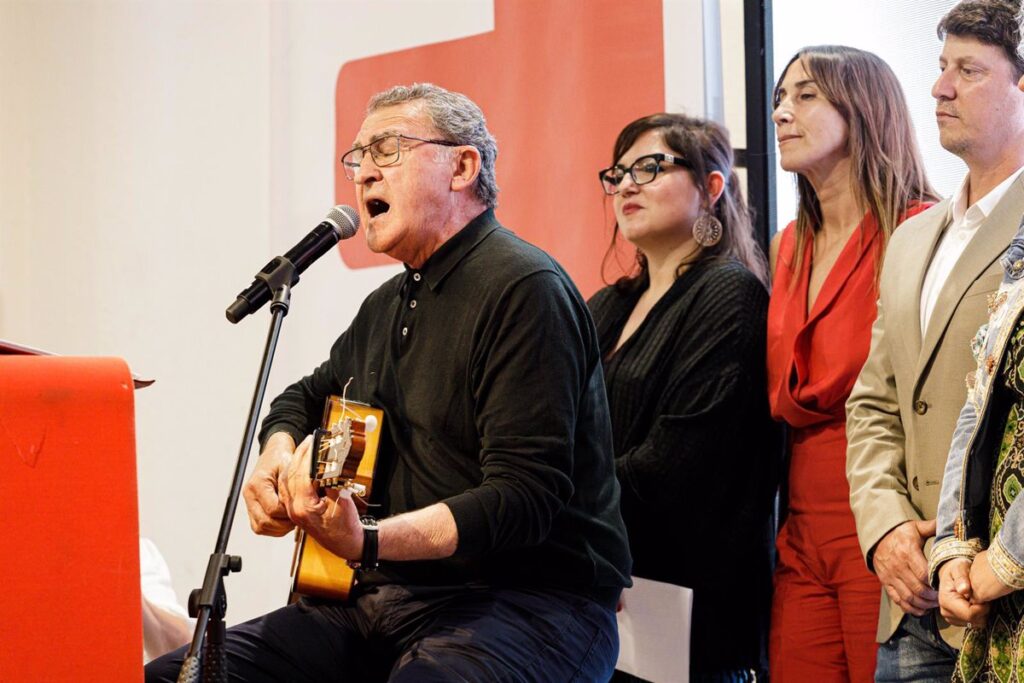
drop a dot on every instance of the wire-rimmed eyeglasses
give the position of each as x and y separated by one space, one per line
644 170
386 151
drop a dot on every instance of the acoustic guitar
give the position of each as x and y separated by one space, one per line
344 457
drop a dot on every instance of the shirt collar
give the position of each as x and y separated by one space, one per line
981 209
443 261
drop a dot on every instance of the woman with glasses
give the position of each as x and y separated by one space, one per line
843 128
683 342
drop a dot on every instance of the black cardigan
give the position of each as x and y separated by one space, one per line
697 452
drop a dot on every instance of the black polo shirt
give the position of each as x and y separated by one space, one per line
487 366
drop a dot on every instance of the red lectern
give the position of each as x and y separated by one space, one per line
70 605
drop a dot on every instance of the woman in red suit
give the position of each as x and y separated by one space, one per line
843 127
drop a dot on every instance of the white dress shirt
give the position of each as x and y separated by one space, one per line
963 223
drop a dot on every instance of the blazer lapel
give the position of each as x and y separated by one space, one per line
915 273
991 240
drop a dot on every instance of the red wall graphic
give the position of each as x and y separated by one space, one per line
557 80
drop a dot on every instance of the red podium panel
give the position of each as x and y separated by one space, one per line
70 605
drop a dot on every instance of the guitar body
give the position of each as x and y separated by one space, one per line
317 572
344 457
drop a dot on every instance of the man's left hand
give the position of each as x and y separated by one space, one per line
332 520
985 585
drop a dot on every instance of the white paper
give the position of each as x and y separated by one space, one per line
654 631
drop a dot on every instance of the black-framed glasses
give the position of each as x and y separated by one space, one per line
644 170
386 151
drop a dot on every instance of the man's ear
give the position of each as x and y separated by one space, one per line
467 167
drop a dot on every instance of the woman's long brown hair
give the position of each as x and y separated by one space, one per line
888 176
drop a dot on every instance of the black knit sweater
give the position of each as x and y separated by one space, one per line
487 367
697 452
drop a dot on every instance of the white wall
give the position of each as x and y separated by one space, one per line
133 168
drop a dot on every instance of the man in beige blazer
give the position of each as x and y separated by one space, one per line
940 268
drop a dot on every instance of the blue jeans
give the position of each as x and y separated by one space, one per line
915 653
421 635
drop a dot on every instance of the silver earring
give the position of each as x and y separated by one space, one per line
707 230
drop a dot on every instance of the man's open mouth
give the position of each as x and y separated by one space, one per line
376 207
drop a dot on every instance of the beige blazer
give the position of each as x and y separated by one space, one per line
905 403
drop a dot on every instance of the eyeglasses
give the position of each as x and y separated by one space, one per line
386 151
644 170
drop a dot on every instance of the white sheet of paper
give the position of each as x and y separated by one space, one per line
654 631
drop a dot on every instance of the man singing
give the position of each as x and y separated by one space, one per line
500 552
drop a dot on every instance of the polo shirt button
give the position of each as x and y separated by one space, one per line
417 277
920 407
405 331
412 304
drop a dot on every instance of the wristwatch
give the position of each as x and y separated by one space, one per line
369 560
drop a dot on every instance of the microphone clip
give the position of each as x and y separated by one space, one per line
280 280
280 276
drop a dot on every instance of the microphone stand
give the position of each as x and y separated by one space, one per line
206 656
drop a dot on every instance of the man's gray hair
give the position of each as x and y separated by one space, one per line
457 119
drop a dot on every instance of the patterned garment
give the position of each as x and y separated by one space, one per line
996 652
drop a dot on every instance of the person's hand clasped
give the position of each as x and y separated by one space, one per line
902 568
332 519
985 585
957 601
267 515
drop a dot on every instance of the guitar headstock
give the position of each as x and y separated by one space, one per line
349 434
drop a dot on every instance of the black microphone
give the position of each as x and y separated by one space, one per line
341 223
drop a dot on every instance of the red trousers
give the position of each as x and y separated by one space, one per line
825 606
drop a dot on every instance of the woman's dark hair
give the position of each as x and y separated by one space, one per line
705 147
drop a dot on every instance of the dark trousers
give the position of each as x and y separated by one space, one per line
406 634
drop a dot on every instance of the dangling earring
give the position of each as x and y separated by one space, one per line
707 230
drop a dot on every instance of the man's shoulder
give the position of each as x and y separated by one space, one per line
519 252
505 257
387 288
911 231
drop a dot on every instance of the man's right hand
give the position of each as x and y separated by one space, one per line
267 515
902 568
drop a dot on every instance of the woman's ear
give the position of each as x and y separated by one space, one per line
715 186
467 168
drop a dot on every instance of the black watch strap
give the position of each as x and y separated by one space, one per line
369 559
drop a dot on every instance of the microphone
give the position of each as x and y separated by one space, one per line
341 223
